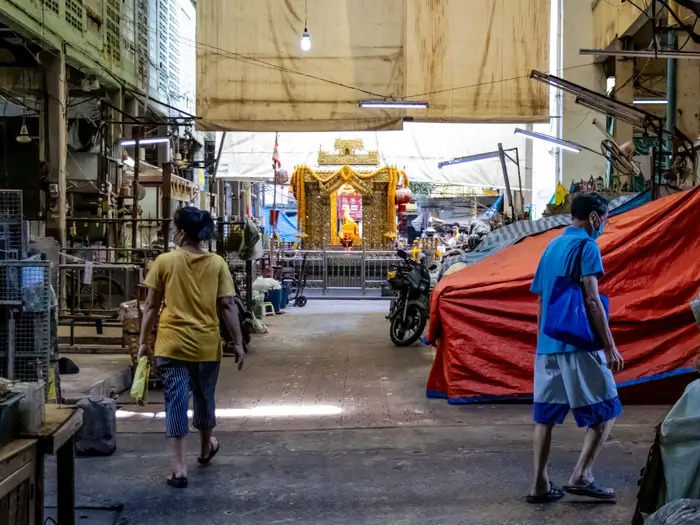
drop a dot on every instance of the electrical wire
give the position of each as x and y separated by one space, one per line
218 51
690 33
643 11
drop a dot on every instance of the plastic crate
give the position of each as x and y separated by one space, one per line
9 418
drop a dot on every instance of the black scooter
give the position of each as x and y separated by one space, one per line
409 308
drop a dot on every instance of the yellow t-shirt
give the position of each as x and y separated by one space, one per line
190 284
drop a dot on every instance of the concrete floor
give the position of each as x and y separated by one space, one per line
364 446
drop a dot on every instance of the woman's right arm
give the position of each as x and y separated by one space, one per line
148 322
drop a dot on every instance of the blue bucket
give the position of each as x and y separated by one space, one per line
274 297
285 298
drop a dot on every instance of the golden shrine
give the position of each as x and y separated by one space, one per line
346 207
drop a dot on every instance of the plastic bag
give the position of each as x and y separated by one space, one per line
251 246
139 388
677 512
680 442
264 285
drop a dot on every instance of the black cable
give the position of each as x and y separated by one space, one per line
691 31
261 63
643 11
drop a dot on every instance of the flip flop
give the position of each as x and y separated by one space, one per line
591 490
177 482
554 494
213 450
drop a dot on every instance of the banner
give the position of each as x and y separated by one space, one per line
353 203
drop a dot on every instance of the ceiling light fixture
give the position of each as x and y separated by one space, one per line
640 53
393 104
305 36
559 143
144 142
470 158
23 137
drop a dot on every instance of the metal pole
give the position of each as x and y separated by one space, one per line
363 274
520 181
220 185
325 272
249 284
273 228
11 345
502 157
135 189
166 204
672 105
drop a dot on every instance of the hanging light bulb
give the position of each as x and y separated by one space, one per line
305 36
23 137
305 40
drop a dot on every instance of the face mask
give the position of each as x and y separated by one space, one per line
597 232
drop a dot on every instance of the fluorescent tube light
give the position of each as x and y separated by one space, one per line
638 53
469 158
559 143
145 142
650 101
393 104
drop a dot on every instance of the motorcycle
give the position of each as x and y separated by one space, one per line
408 313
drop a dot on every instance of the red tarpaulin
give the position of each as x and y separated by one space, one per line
484 317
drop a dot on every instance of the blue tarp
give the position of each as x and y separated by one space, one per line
286 227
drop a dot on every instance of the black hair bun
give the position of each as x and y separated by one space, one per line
206 231
197 224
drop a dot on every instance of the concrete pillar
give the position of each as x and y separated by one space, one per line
624 92
116 131
131 108
56 135
688 93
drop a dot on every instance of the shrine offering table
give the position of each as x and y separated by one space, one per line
57 436
17 479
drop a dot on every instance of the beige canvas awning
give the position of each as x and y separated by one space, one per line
470 59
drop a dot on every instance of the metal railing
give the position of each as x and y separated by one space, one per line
95 291
340 269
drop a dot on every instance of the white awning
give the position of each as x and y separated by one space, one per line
417 148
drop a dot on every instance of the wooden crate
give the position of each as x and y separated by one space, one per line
17 470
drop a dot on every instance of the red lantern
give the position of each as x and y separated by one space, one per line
403 196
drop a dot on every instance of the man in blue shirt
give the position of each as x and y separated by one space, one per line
567 377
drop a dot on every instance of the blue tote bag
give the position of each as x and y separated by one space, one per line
567 319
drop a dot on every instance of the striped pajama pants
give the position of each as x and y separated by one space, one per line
179 379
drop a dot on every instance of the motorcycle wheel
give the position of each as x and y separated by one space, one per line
406 335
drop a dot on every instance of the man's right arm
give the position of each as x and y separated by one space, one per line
596 313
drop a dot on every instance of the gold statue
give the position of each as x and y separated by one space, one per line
349 230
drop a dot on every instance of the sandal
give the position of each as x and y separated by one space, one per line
214 446
554 494
177 482
591 490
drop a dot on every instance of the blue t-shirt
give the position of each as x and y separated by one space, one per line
555 261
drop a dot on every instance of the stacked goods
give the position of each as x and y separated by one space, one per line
131 328
129 314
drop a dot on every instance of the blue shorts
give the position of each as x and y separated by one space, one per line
580 381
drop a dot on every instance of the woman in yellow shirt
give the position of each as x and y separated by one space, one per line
194 285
